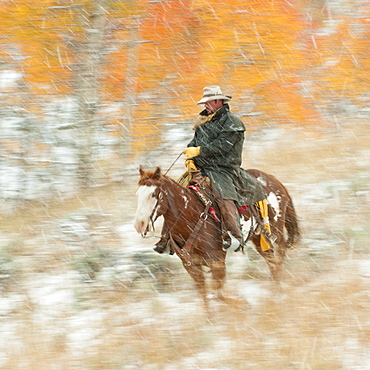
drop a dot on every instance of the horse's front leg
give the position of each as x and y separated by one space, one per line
218 270
195 270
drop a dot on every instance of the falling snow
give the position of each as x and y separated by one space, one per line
80 288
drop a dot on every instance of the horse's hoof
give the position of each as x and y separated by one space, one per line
158 250
161 246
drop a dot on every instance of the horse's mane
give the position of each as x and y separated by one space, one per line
155 177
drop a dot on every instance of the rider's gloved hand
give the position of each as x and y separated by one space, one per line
192 152
190 165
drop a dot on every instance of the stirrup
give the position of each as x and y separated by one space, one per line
226 241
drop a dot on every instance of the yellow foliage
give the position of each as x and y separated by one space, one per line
163 54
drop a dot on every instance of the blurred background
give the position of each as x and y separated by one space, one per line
91 90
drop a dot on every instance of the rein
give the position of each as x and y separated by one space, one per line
174 162
152 221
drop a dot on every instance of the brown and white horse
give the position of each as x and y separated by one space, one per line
196 236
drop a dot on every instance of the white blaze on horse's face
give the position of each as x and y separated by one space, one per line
146 201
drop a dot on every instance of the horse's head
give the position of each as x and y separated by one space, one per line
150 200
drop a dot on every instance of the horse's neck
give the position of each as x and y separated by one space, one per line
171 185
179 199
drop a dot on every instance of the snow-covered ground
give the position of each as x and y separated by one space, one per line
82 290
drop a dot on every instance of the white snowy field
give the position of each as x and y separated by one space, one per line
81 290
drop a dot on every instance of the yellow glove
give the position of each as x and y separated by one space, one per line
190 165
192 152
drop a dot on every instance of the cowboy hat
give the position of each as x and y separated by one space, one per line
213 93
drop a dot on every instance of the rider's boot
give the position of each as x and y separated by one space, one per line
231 220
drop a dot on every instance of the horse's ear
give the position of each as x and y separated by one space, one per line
157 173
141 170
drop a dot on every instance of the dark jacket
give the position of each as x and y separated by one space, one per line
221 146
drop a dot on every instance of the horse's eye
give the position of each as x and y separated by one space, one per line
153 195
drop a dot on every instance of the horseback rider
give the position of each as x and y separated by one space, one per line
216 151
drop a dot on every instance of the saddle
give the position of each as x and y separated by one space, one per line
202 186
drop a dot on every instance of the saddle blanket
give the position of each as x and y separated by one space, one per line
204 200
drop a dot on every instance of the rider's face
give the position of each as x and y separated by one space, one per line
213 105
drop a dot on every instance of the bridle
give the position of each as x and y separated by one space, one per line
159 197
155 214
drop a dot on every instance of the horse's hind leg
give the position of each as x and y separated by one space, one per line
273 257
275 261
275 264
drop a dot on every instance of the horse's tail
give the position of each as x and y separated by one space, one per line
291 223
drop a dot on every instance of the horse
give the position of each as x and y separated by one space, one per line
196 236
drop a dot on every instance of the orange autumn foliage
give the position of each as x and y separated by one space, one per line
282 61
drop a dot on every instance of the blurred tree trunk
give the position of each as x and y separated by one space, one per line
129 87
89 72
